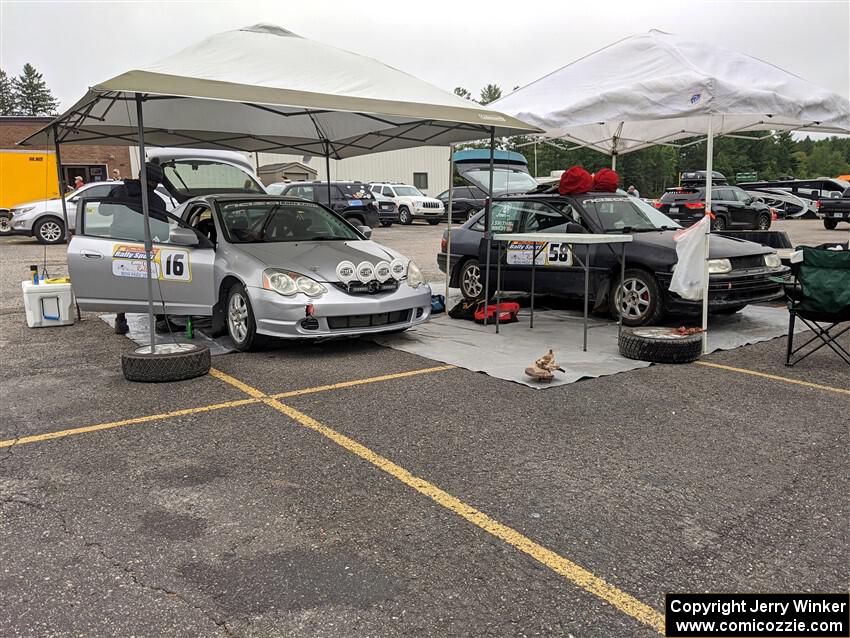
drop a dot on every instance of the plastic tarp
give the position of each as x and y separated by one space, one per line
658 87
265 89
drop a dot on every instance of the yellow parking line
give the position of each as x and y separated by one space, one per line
349 384
256 397
557 563
117 424
775 377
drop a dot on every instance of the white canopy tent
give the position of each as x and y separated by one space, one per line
660 88
263 88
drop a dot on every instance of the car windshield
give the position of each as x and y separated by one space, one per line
504 180
203 177
407 191
261 221
626 214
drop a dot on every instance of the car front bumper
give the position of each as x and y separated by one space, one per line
21 226
428 213
730 290
338 313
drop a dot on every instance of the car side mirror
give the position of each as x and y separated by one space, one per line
183 237
572 227
73 200
367 232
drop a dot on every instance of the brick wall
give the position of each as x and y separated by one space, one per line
14 129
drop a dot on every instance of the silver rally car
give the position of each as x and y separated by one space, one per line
257 264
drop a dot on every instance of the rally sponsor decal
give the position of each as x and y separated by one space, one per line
167 264
552 255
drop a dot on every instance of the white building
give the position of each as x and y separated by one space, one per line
426 167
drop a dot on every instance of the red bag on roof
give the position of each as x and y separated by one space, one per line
606 180
575 180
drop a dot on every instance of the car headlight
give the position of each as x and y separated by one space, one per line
21 211
719 266
290 283
414 275
772 260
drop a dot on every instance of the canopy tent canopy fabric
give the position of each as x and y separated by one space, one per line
657 88
265 89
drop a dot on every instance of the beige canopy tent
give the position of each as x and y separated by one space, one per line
265 89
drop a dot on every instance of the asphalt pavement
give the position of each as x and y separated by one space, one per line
345 489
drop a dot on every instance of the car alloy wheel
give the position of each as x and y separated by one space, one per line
718 224
50 232
404 216
764 222
470 280
5 225
633 299
237 317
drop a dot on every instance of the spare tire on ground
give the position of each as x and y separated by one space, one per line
660 345
169 362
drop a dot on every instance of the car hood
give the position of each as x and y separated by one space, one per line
317 259
719 247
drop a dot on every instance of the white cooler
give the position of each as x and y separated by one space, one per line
48 304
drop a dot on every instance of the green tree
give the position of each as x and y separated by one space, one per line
490 93
7 95
32 95
462 92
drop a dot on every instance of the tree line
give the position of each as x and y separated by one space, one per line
26 94
654 169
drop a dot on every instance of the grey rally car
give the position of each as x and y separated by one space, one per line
260 265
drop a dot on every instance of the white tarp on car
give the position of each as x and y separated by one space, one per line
263 88
658 87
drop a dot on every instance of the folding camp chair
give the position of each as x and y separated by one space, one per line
820 296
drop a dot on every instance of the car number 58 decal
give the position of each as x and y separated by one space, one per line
553 255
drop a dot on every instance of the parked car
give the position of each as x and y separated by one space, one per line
741 271
808 190
43 219
352 200
732 207
834 209
466 201
260 265
412 204
387 208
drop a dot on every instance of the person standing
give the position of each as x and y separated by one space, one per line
116 175
78 182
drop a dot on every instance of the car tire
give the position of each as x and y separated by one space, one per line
643 304
659 345
170 362
5 224
469 280
386 224
433 222
239 317
830 224
718 224
49 230
356 221
470 214
763 222
404 216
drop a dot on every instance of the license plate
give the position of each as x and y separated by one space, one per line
355 202
838 215
674 209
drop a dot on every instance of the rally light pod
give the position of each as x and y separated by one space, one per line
346 272
365 272
398 268
383 271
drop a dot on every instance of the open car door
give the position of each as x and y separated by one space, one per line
107 261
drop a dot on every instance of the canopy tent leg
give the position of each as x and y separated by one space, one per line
709 168
449 219
613 161
487 221
328 171
143 178
61 181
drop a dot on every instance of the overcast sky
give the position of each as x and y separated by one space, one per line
458 43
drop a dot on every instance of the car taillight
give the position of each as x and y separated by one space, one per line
444 244
695 205
817 204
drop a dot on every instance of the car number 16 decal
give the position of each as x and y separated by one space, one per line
168 264
553 255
